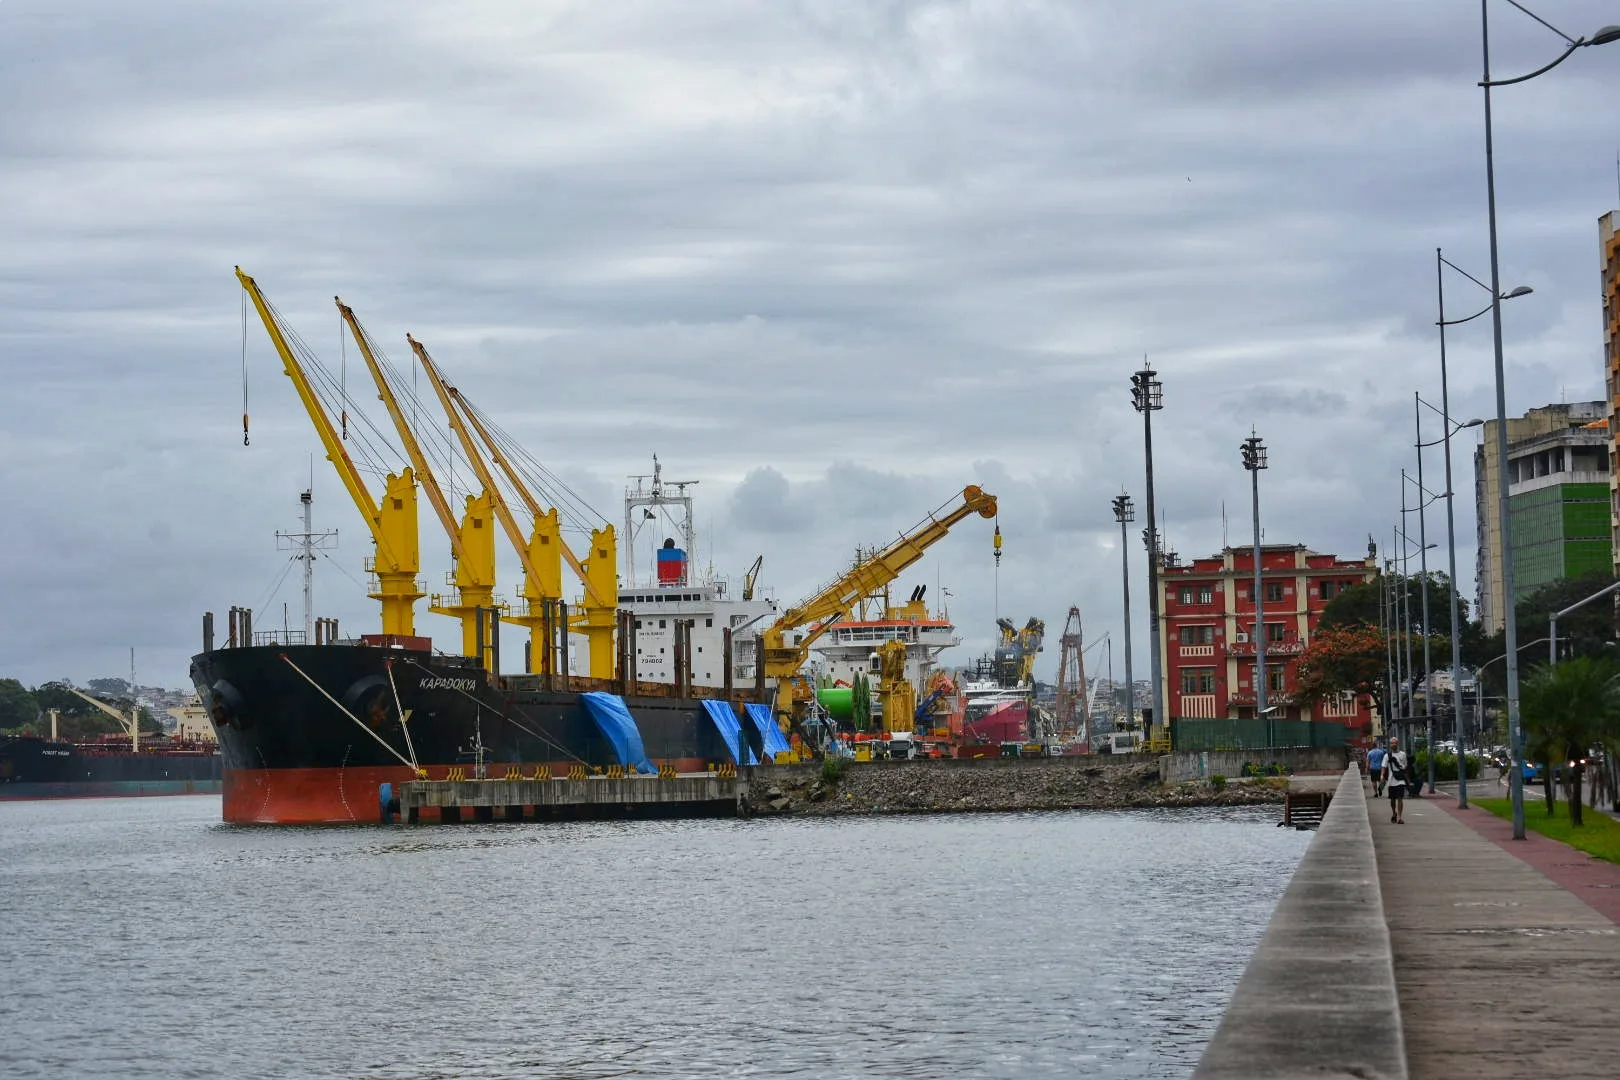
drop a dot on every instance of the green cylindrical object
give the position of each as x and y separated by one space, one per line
839 701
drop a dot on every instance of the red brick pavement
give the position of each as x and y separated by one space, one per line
1593 881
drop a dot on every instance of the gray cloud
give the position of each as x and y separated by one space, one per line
833 260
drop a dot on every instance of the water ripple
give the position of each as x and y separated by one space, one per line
146 939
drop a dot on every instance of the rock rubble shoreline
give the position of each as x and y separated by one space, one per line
933 787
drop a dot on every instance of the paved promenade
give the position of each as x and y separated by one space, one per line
1506 953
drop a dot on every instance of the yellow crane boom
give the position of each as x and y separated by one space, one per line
472 541
131 723
539 554
836 600
392 521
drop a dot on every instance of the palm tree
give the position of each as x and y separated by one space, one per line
1568 708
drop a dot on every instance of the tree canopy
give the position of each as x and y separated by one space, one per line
18 706
23 710
1587 631
1340 659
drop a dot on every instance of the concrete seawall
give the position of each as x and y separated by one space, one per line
1318 998
1184 765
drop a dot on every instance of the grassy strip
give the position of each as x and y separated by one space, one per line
1597 835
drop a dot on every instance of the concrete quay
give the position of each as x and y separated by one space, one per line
533 799
1435 949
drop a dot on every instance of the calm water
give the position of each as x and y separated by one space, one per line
144 938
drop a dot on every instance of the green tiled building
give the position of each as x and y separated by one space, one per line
1558 501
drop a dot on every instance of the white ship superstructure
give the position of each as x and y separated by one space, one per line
850 646
658 518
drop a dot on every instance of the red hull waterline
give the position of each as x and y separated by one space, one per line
343 796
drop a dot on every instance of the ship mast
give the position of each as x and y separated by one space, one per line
305 544
644 499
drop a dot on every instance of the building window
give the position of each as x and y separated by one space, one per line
1326 589
661 624
1198 680
1186 594
1276 631
1276 680
708 622
1197 635
1206 594
1274 592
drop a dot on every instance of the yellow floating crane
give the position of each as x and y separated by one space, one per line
543 551
472 541
835 601
391 520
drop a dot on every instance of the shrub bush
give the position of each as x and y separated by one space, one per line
1445 766
1217 781
832 770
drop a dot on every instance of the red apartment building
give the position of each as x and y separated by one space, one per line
1209 633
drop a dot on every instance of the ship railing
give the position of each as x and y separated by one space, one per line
280 637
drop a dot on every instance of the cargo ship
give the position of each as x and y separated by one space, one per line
314 729
310 734
35 767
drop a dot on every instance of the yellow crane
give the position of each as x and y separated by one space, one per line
131 723
899 696
752 576
472 541
391 520
544 550
835 601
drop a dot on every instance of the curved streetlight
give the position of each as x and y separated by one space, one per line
1455 427
1510 628
1451 517
1522 290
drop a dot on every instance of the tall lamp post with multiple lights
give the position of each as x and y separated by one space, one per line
1254 459
1456 618
1147 396
1510 629
1125 513
1440 263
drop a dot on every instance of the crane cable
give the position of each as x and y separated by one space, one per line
358 722
513 705
343 349
244 372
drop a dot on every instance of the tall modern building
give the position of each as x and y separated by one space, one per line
1558 501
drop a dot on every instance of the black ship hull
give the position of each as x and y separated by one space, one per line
310 733
36 768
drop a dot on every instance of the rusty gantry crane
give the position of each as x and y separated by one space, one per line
1073 702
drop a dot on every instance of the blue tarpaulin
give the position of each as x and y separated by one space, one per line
725 719
775 741
613 717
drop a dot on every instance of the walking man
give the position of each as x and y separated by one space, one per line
1395 780
1375 770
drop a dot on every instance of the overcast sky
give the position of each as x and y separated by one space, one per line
834 260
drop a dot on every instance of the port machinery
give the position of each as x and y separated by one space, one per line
785 644
391 519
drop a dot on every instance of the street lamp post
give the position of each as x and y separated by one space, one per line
1147 397
1451 528
1254 459
1423 568
1510 629
1125 513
